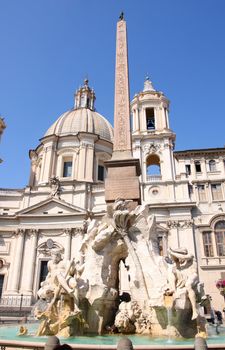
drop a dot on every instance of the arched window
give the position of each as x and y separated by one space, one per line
153 165
220 237
212 165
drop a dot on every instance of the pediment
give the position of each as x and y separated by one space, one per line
51 206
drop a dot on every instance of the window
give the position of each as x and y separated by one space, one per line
67 169
207 243
190 190
212 165
43 272
101 173
153 165
150 119
197 167
201 193
216 192
220 238
188 169
1 284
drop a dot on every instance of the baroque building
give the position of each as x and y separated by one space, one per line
184 190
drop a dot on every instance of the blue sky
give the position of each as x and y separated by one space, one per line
49 46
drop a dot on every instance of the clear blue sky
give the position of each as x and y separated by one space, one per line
49 46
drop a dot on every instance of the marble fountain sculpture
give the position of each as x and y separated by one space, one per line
81 296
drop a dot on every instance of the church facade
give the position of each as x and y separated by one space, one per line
185 190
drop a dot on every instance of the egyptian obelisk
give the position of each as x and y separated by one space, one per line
123 170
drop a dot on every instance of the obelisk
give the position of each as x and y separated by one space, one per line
123 170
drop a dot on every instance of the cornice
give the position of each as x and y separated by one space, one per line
172 205
199 152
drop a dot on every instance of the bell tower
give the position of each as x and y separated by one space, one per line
153 140
150 110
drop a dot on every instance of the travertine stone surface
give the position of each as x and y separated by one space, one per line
122 136
84 295
123 170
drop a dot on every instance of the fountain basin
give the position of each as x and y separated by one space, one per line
9 338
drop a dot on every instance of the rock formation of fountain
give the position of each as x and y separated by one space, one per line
83 296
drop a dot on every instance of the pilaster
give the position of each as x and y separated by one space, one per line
15 268
30 267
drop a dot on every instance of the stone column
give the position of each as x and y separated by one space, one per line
89 163
48 161
33 157
82 161
43 165
30 267
15 270
75 165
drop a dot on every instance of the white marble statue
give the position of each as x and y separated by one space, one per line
88 294
183 277
60 290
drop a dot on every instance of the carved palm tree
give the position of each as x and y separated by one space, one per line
123 221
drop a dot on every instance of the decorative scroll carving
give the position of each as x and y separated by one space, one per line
181 224
151 148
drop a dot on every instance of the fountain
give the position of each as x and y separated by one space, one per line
80 299
83 297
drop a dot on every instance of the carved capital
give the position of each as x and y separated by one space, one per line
78 230
68 231
33 232
173 223
187 224
20 232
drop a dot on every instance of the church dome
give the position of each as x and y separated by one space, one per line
83 118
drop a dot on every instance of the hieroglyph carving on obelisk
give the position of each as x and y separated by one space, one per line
122 134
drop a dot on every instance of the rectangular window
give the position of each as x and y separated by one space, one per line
207 243
188 169
150 119
216 192
220 243
101 173
212 165
67 169
43 272
198 167
201 193
1 284
190 190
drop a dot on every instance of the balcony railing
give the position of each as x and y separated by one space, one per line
153 178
